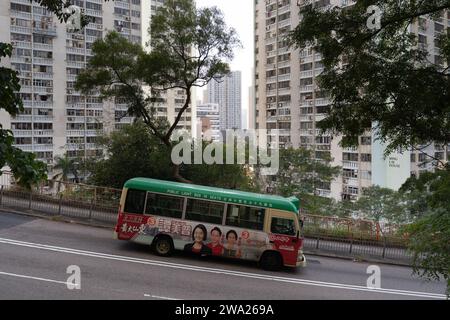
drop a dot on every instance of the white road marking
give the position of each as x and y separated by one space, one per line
222 271
159 297
30 277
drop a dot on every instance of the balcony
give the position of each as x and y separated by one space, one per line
46 90
43 133
22 133
21 44
120 4
40 118
94 13
350 164
43 75
75 50
76 64
284 23
42 46
308 88
23 118
43 147
43 104
306 74
43 61
25 147
284 77
26 89
21 14
50 31
18 29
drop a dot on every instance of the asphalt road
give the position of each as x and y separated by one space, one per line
35 255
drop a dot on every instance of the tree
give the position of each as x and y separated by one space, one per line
189 48
134 151
429 234
301 175
380 76
67 166
382 205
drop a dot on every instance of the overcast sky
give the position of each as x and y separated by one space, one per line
239 15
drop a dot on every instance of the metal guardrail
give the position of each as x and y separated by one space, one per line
359 239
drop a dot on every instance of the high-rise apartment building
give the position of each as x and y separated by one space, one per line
227 94
287 98
48 56
208 122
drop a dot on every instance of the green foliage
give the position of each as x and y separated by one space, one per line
430 233
430 243
380 204
67 166
134 151
386 78
300 175
189 48
130 152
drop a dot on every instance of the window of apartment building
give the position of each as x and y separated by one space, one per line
22 140
284 84
42 126
20 126
284 57
346 156
366 141
322 109
93 6
323 140
75 126
43 140
284 98
413 157
136 2
20 7
439 155
350 173
75 140
422 157
38 38
306 125
306 82
136 13
306 66
284 16
20 37
285 70
284 125
271 60
271 73
366 157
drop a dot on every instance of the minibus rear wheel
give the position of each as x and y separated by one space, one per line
163 246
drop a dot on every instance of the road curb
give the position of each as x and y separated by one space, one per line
56 218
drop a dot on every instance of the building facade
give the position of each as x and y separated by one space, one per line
208 122
227 94
49 56
287 98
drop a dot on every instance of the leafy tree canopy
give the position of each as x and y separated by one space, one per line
380 77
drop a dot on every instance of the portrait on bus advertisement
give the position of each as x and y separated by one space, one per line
204 239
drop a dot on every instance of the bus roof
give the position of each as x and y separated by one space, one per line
215 194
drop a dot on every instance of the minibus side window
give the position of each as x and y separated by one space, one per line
135 201
283 226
